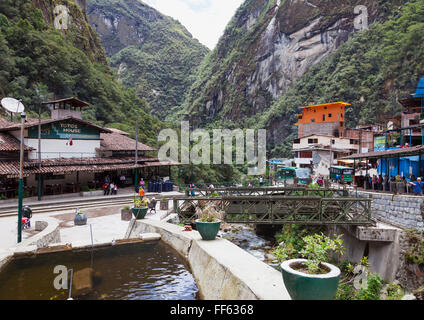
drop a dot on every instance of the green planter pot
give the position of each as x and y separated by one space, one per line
302 286
208 230
139 214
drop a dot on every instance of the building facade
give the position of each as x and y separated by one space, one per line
65 153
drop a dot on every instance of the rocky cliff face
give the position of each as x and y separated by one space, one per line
80 31
265 49
124 24
151 53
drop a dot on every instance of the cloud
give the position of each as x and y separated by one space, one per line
204 19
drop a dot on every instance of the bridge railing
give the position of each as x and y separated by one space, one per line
274 209
277 191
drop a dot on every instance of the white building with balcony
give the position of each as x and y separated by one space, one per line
320 152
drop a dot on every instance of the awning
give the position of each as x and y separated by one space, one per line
401 152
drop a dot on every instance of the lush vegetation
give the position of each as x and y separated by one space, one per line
356 283
370 71
160 63
35 56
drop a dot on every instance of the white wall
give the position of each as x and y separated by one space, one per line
57 148
340 143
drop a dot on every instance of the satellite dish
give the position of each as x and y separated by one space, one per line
12 105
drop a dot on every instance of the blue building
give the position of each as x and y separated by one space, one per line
399 152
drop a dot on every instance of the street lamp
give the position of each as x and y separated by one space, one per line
21 179
15 106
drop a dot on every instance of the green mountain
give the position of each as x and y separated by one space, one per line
61 63
278 55
371 71
151 53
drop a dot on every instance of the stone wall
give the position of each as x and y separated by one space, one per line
399 210
50 234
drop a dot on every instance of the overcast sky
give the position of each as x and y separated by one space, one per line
204 19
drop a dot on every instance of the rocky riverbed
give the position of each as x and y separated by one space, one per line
245 237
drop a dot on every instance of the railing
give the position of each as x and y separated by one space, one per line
305 209
58 155
283 191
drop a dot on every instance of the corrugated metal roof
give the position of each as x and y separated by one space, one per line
402 152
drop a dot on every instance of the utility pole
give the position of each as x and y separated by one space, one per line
40 183
21 179
136 157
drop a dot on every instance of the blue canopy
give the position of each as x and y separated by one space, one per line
420 89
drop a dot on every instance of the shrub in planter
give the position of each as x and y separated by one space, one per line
141 206
126 213
80 218
208 226
312 278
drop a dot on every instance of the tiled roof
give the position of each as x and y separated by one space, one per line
119 131
9 143
11 168
119 142
4 122
86 161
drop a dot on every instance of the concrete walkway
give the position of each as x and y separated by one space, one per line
105 221
63 199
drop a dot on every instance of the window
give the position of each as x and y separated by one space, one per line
323 117
306 154
333 141
330 115
312 141
296 141
312 120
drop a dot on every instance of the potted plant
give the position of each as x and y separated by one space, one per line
80 218
312 278
126 213
208 226
141 206
164 205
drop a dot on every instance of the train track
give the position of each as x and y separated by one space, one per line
67 206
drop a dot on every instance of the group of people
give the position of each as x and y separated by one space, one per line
110 188
380 183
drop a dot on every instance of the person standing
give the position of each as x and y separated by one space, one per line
417 187
123 179
105 188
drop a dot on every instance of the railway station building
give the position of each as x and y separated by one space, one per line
72 155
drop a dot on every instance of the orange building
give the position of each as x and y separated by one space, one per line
323 119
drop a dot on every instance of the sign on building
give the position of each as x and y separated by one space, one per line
379 143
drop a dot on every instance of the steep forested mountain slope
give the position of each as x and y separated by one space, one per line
151 52
267 47
371 71
35 56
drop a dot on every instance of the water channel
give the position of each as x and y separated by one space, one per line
128 272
